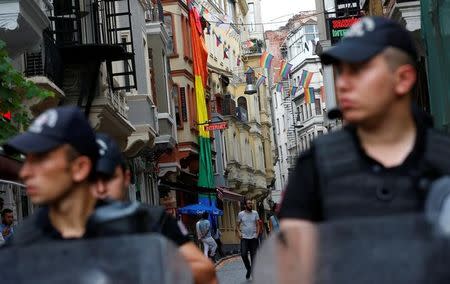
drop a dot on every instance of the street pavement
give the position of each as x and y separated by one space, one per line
232 271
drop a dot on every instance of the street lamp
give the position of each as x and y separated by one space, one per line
250 89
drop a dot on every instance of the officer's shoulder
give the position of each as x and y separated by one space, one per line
29 229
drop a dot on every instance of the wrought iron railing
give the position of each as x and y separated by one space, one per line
45 62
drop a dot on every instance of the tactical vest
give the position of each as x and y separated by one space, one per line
109 219
349 189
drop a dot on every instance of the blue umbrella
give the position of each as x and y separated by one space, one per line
196 209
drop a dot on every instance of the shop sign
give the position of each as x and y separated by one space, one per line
339 26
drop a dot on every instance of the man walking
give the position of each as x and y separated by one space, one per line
247 227
203 228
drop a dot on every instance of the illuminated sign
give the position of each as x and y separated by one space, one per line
339 26
216 126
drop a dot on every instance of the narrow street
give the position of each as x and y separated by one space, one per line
232 271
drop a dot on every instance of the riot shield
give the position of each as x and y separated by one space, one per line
401 249
144 258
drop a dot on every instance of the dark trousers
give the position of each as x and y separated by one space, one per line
248 245
219 247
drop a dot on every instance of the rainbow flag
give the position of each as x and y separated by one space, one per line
285 69
309 95
205 175
266 60
279 87
293 90
261 80
306 79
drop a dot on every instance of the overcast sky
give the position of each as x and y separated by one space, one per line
282 10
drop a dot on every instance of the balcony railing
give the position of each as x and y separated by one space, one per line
118 101
257 47
228 106
45 62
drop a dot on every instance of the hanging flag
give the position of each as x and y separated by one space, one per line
200 54
285 69
266 60
218 40
309 95
308 79
225 52
279 87
293 90
260 80
303 78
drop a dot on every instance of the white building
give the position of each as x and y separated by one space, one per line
307 118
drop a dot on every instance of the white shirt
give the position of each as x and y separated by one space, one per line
248 224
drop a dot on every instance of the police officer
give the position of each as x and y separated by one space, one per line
382 161
113 179
60 157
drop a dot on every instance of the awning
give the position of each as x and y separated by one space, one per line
196 209
224 193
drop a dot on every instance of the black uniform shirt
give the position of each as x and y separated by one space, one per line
43 230
303 200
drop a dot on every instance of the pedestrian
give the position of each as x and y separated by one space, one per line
247 228
60 156
6 227
273 220
217 234
382 161
113 179
203 229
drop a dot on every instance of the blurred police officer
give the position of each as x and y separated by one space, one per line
60 156
382 161
113 179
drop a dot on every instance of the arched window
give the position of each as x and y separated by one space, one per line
241 111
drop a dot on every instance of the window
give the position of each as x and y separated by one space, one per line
187 48
152 76
178 115
183 104
319 132
251 17
231 10
281 152
171 46
302 115
278 125
318 106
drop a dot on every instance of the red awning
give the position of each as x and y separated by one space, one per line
224 193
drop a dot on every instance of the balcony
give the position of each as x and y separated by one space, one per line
142 115
97 32
44 68
22 23
256 49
